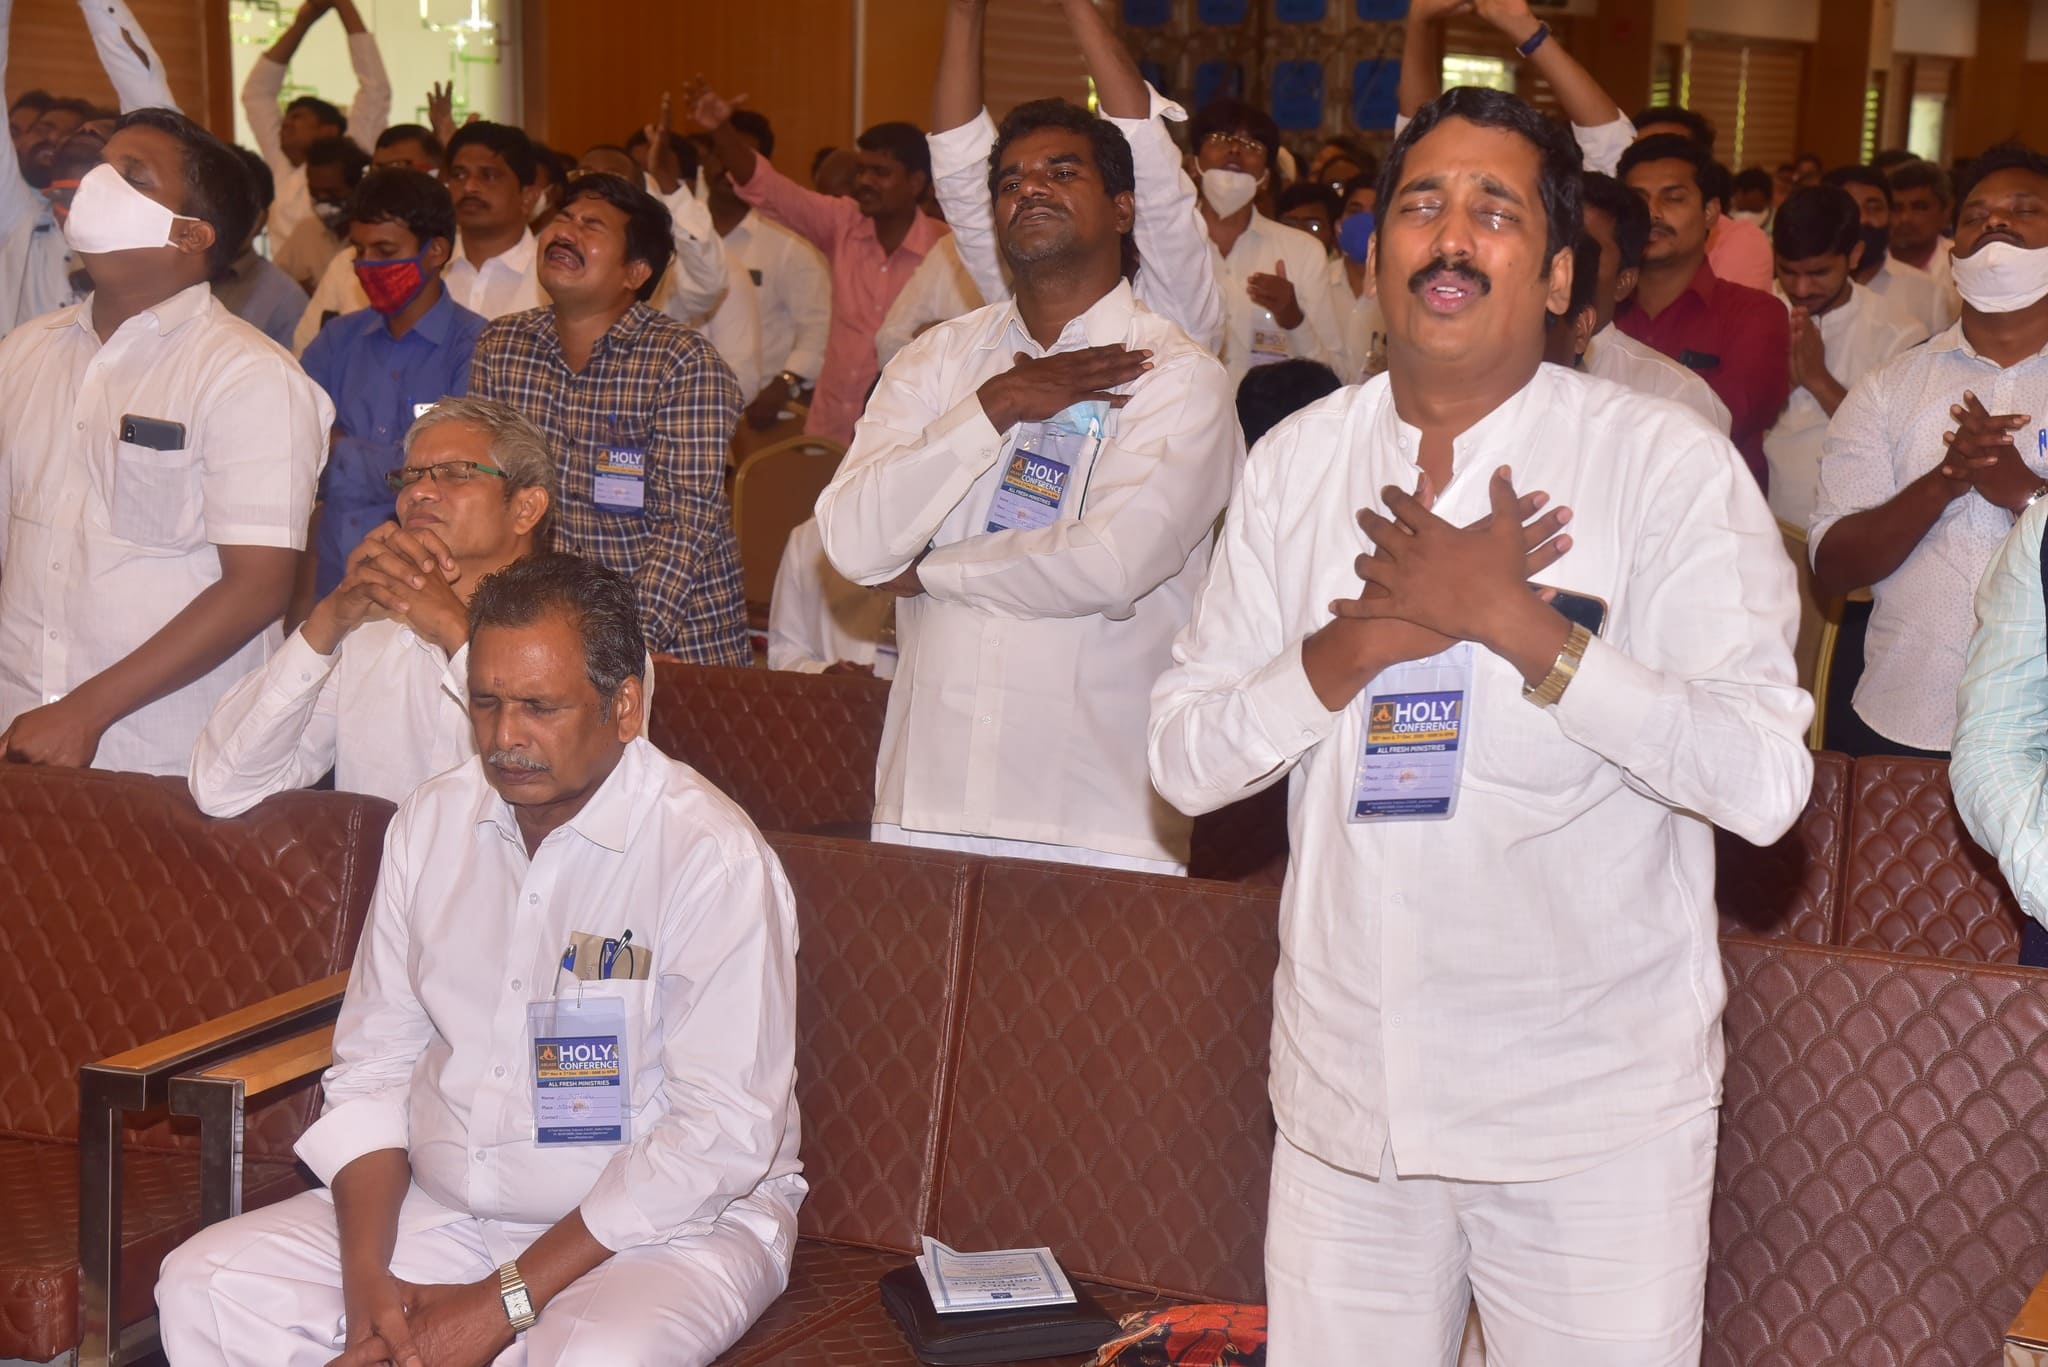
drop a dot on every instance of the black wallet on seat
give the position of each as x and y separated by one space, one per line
991 1336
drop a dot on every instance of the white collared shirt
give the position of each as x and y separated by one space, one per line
1858 335
733 327
1019 705
507 283
940 288
1887 434
104 541
1532 985
1262 249
818 617
1913 294
1614 355
431 1053
795 288
1176 273
1359 319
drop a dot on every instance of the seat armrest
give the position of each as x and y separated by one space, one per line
138 1079
218 1096
2026 1339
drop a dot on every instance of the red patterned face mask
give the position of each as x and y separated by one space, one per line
391 285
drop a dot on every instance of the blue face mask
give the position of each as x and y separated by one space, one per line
1083 419
1354 235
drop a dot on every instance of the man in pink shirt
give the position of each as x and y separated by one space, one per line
874 241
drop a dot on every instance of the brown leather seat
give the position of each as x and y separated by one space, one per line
1791 888
128 916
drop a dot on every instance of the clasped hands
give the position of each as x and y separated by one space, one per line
397 574
1429 585
395 1323
1981 455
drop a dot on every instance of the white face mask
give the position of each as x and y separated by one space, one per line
1996 278
110 215
1228 191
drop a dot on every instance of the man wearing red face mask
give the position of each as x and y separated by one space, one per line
387 364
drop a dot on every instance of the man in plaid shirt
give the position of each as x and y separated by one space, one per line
639 410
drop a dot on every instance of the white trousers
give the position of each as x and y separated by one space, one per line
264 1289
1603 1268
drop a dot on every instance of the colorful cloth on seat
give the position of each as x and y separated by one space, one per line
1189 1336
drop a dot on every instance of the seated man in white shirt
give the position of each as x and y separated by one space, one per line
1496 1038
467 1210
372 685
821 622
1619 221
1928 462
1037 482
157 459
1840 333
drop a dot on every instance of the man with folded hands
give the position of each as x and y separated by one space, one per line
372 685
560 1127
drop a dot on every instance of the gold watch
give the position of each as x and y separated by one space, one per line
1563 670
518 1300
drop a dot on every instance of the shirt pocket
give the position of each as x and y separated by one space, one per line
1517 747
154 498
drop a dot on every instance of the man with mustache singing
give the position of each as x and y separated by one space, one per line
1037 481
1496 1039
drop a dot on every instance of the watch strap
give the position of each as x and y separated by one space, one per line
1527 47
1563 671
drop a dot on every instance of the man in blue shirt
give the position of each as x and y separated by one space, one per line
385 365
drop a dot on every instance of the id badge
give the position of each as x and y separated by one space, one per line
1411 750
1035 483
577 1064
1269 343
620 482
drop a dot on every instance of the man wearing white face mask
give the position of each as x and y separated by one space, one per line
157 457
1931 459
1276 298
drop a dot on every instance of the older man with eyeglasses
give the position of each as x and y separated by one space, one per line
372 685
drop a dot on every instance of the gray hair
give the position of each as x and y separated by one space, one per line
516 445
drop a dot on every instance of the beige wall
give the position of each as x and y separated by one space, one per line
49 48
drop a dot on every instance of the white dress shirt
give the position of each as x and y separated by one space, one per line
1359 320
733 327
431 1052
338 292
1262 249
697 277
1019 704
795 287
1942 267
1532 985
1858 336
818 617
367 114
2000 767
1887 434
1614 355
1913 294
506 283
35 262
1176 276
940 288
103 542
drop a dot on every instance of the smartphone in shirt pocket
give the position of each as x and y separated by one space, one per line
154 498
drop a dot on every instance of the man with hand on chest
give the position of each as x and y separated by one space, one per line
1037 481
560 1128
1496 1041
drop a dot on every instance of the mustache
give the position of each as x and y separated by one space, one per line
1029 205
471 202
566 246
1998 234
512 759
1443 265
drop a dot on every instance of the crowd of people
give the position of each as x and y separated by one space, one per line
1452 490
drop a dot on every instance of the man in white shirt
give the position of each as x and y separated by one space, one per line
1909 290
1921 205
1037 482
821 622
373 684
1840 333
1928 462
157 457
1619 221
1177 277
570 908
284 137
332 169
1496 1044
794 283
35 265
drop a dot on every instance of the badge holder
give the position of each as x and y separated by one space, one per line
1038 473
581 1085
1411 750
619 482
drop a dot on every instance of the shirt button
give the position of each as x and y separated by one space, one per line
479 1155
1399 899
987 720
499 1071
533 898
515 984
81 427
53 635
56 564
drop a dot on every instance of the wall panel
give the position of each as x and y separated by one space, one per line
50 48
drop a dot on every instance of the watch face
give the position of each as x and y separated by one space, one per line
518 1305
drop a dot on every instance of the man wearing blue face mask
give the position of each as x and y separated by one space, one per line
387 364
1036 482
1363 327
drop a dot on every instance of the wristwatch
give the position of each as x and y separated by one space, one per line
2032 499
1563 671
798 385
518 1301
1527 47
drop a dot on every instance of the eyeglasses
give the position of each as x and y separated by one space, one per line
453 471
1236 140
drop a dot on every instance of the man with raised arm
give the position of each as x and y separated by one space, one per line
1176 277
285 136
